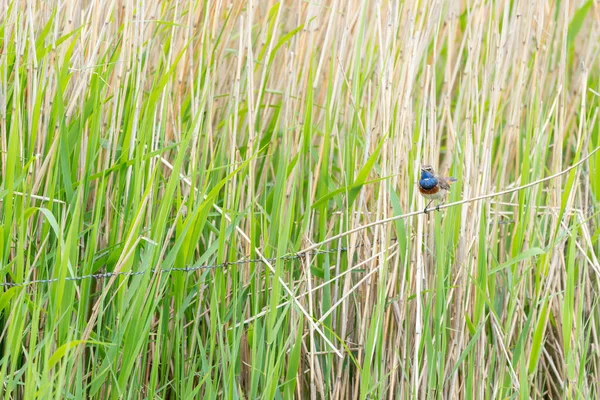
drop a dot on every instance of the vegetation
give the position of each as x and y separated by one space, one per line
154 144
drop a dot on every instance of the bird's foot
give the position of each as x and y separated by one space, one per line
426 211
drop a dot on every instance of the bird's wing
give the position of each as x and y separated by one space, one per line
444 183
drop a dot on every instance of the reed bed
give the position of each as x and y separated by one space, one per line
164 164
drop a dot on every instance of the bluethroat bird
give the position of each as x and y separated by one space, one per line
434 187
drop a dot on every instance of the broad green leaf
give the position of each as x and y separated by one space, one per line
531 252
62 350
577 22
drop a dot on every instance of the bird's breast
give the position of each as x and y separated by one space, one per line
429 191
439 195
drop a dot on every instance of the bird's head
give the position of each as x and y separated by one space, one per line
426 171
427 168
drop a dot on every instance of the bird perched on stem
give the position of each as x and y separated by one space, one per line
434 187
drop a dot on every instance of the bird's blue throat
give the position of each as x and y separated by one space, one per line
428 180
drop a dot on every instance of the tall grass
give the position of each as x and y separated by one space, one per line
138 137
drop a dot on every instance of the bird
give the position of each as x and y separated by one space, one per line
434 187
